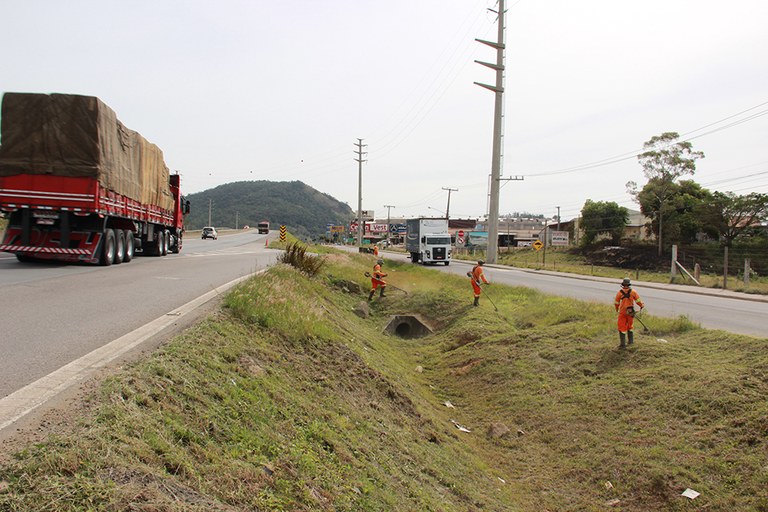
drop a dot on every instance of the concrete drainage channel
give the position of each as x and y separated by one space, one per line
407 326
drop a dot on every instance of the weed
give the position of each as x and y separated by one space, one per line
295 254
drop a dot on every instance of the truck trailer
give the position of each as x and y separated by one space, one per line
428 240
78 186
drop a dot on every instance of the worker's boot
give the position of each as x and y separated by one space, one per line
381 293
622 340
370 295
477 301
630 337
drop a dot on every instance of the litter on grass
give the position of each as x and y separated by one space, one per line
690 493
449 405
460 427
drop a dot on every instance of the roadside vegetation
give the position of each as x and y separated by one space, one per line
572 261
292 398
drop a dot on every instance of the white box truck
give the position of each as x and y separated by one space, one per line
428 241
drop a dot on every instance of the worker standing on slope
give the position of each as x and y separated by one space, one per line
625 301
377 279
477 277
376 250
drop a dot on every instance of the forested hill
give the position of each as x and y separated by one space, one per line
302 209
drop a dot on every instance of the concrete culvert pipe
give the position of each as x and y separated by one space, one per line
407 326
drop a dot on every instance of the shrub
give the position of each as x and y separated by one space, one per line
296 256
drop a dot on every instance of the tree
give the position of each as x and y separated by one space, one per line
681 211
664 161
601 218
733 216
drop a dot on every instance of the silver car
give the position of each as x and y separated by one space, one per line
210 232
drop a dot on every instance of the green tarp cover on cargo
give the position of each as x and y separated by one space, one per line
73 135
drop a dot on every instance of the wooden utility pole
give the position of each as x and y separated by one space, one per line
448 207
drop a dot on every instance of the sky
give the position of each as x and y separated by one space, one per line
238 90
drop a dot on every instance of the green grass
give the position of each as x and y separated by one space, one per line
288 400
562 260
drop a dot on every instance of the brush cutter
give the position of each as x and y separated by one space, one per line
368 274
469 275
646 329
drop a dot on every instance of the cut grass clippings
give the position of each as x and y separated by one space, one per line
291 398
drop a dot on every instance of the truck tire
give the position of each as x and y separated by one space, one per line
166 242
446 263
107 248
119 246
130 246
414 257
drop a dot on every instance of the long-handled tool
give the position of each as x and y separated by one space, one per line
469 274
646 329
368 274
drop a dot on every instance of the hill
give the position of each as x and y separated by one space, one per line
304 210
287 400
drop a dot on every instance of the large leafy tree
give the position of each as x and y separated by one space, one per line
681 211
664 161
732 216
600 218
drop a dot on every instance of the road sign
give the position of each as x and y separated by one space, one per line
538 245
460 240
282 233
460 233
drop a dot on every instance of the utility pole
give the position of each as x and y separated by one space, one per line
359 160
558 218
237 219
498 134
389 228
210 205
448 207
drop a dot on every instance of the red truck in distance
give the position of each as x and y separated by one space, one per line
78 186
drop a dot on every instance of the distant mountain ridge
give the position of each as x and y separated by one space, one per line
304 210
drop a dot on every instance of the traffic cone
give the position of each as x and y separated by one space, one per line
266 242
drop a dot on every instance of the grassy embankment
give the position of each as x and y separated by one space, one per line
562 260
287 400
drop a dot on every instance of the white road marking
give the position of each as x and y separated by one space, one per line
22 402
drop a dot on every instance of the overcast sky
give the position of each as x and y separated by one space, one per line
281 91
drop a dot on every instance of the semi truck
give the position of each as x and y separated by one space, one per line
77 185
263 227
428 240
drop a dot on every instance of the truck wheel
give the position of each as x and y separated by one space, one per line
119 246
130 246
414 257
107 248
175 244
166 242
446 263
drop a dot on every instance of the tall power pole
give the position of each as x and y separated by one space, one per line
498 133
389 229
448 206
359 160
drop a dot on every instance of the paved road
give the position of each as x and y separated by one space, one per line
52 315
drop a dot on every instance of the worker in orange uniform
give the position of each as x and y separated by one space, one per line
376 251
377 280
477 277
625 301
